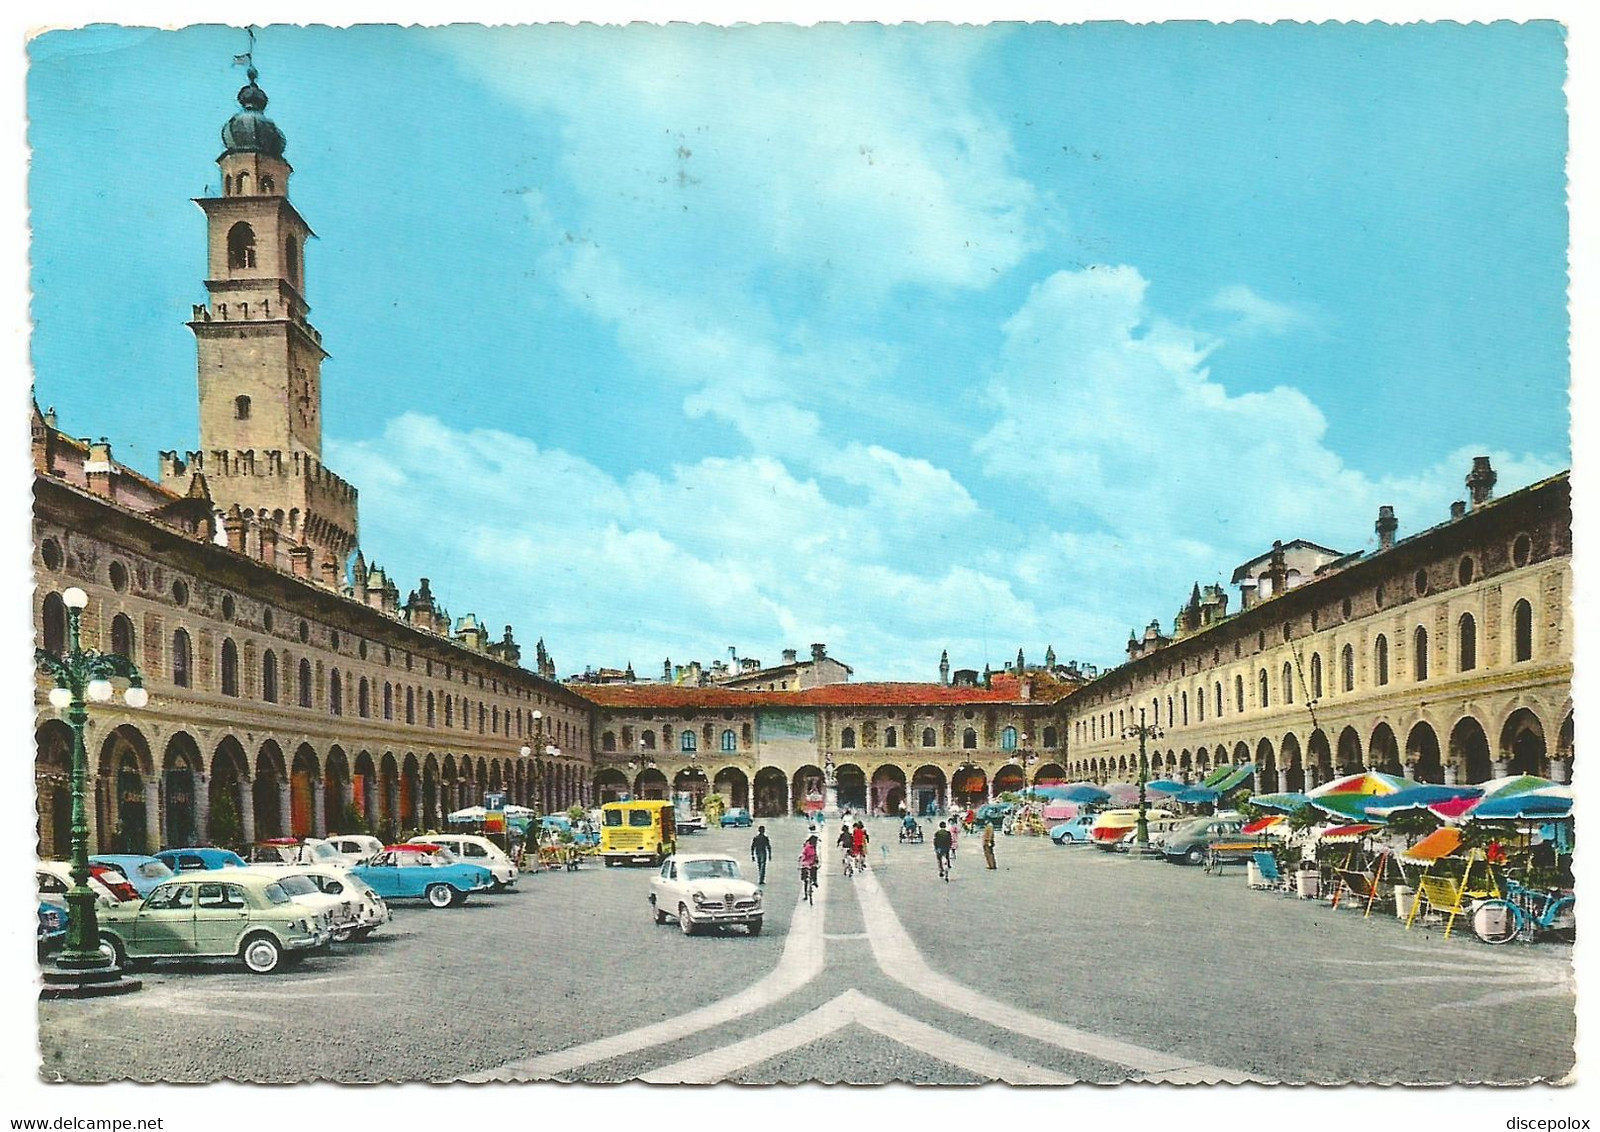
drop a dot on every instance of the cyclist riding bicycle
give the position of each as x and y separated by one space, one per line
858 845
846 844
941 852
809 862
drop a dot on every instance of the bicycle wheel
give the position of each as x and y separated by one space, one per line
1497 921
1561 919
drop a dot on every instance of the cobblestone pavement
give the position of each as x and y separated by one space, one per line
1063 965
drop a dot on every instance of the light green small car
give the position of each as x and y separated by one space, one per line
196 917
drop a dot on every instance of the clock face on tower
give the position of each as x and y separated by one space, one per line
300 393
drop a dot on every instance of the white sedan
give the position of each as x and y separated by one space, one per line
702 890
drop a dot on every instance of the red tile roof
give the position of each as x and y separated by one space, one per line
1004 689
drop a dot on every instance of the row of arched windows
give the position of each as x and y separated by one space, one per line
1098 727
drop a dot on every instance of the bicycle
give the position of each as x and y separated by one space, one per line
849 863
1525 913
808 882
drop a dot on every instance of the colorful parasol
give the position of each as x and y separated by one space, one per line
1285 803
1261 825
1447 802
1549 802
1439 843
1338 833
1348 796
1166 786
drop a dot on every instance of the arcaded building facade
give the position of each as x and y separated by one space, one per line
1446 656
289 692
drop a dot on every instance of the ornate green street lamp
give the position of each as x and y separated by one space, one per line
1141 840
82 970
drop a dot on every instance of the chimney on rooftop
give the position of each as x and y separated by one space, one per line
1481 481
789 656
1458 509
818 652
1386 526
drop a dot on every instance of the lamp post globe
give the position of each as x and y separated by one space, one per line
82 676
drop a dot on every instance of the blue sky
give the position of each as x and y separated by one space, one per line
654 341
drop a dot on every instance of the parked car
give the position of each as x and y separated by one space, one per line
1188 843
199 858
737 816
52 926
144 873
237 914
476 850
53 879
690 823
1073 830
702 890
1154 829
1110 826
337 909
356 847
371 910
422 872
294 851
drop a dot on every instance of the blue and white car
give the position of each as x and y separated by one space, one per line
199 858
1073 831
143 872
422 872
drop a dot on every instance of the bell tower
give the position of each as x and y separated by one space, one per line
259 357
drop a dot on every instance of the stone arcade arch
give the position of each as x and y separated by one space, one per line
1469 751
52 779
928 790
969 786
650 783
1383 752
304 793
183 791
1319 759
1294 774
888 792
611 785
806 789
1009 779
1266 768
229 802
693 782
388 796
270 792
851 781
1522 744
1050 774
1349 761
431 817
339 792
125 791
1422 755
410 816
771 793
732 784
364 790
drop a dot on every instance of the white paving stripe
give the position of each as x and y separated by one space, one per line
900 959
853 1008
800 963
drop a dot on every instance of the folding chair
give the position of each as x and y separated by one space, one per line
1451 897
1272 880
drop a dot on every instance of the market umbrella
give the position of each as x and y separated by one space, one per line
1197 795
1443 801
1511 784
1287 803
1553 802
1165 786
1354 832
1261 825
1123 791
1349 796
1060 811
476 814
1083 792
1053 792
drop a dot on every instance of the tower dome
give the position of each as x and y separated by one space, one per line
251 131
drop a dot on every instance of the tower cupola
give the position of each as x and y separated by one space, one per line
251 131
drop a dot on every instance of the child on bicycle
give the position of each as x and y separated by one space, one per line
809 863
846 844
858 846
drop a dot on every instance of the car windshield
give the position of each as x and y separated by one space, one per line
1194 828
611 817
642 819
154 870
710 870
298 886
326 853
275 893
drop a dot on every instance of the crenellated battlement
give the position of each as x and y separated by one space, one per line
270 463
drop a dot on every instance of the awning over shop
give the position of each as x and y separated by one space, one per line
1337 833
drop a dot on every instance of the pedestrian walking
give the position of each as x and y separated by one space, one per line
988 845
760 851
941 852
955 837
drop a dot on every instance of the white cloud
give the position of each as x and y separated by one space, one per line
1166 475
1254 314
